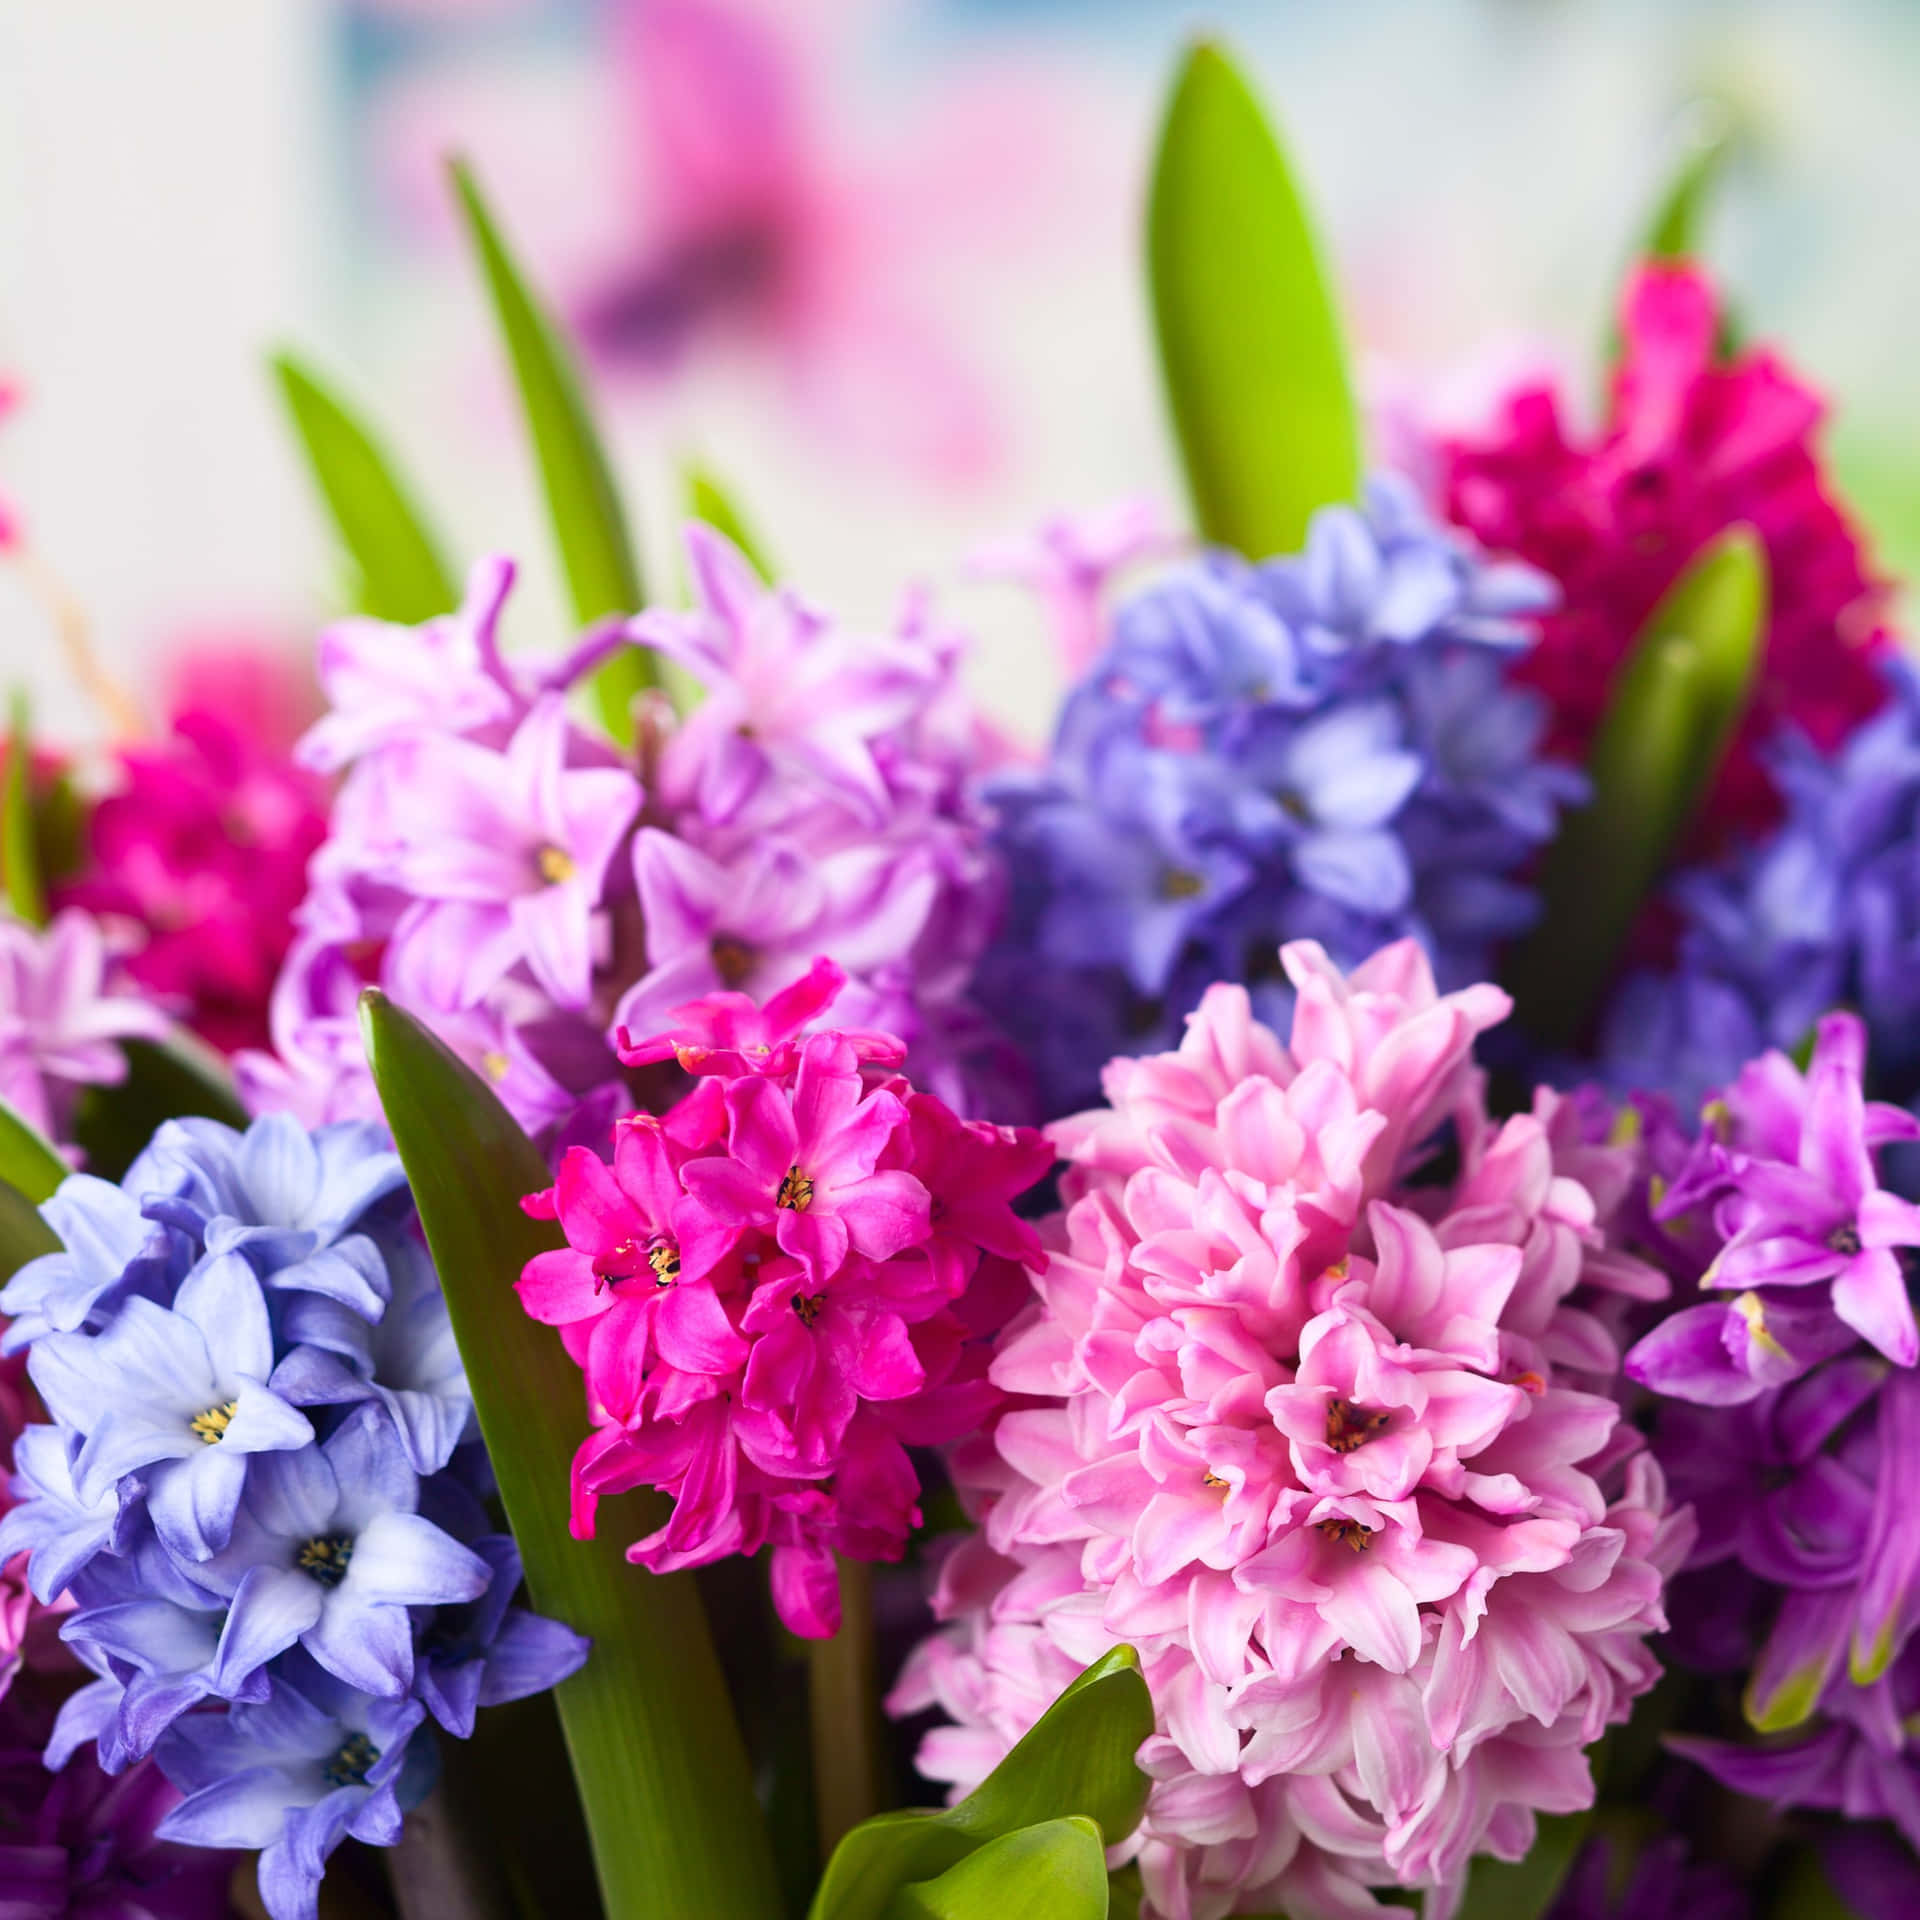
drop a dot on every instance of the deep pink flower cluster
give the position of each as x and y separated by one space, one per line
527 889
1321 1428
17 1604
777 1288
199 856
1692 444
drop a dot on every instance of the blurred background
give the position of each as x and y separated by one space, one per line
874 261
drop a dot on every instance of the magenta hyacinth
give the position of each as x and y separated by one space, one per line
1326 1435
778 1287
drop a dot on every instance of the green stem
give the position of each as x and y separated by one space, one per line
843 1694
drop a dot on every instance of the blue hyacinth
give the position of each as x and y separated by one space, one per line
1320 747
263 1491
1825 912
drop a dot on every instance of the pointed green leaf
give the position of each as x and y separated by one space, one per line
655 1749
1676 703
165 1081
708 500
1076 1760
1524 1889
1057 1871
19 857
1250 348
24 1235
28 1159
399 573
582 501
1708 143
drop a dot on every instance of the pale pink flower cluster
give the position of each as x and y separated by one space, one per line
1307 1414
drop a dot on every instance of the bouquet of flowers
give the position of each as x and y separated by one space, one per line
624 1265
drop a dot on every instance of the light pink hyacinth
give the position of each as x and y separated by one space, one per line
1314 1425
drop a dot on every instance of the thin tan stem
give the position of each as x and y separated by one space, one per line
843 1694
74 632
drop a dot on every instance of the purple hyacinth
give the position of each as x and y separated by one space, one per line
1824 912
260 1489
1321 747
526 888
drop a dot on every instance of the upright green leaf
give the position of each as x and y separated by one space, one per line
707 499
655 1749
399 574
19 857
28 1159
165 1080
1057 1871
1524 1889
1676 702
582 500
1708 143
1076 1760
1250 347
24 1235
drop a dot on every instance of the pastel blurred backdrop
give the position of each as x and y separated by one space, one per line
874 261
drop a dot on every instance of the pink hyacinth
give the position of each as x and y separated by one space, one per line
777 1287
1692 444
201 853
1325 1437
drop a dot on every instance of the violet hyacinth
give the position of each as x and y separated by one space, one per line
526 890
61 1010
1326 1445
260 1492
1325 746
779 1287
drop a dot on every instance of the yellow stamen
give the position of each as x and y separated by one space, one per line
796 1191
556 864
212 1425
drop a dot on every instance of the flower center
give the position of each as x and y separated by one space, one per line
664 1258
212 1425
1349 1426
1349 1533
350 1766
1213 1480
495 1065
556 864
1181 883
1845 1239
733 959
807 1306
325 1558
796 1191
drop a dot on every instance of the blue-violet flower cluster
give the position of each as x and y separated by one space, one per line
261 1491
1323 747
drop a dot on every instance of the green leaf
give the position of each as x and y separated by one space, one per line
28 1159
1524 1889
707 499
1057 1871
400 575
1676 702
582 501
19 858
24 1235
1709 139
166 1079
1250 347
1076 1760
655 1749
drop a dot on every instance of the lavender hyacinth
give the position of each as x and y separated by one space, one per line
527 890
261 1490
1321 747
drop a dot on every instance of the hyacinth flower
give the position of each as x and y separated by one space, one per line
273 1553
527 889
1330 1442
198 856
1325 746
62 1007
1691 445
777 1288
1820 912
